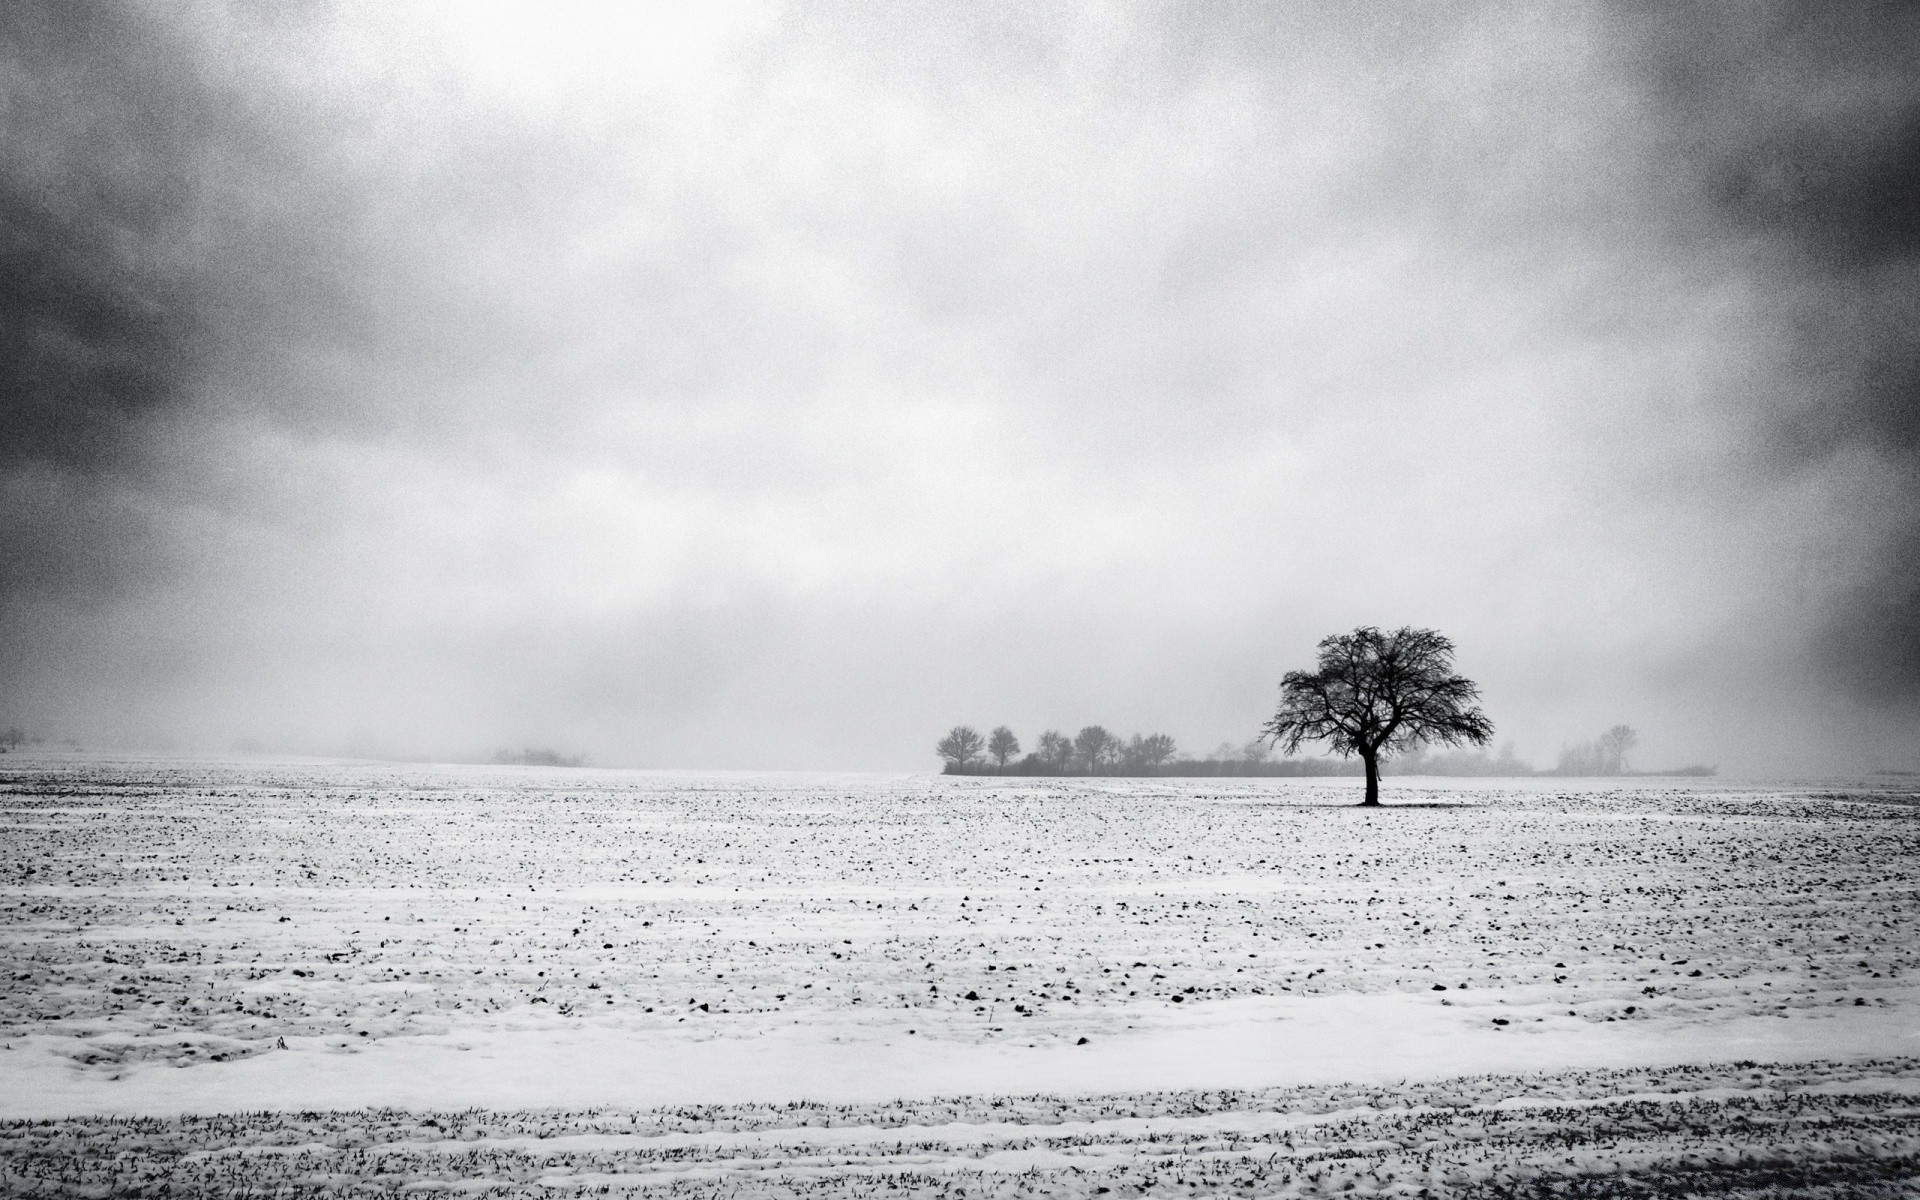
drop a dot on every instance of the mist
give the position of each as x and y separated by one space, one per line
777 386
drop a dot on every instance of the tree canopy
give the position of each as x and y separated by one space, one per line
1379 693
1002 745
961 746
1095 745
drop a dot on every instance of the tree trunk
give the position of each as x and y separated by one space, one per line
1373 780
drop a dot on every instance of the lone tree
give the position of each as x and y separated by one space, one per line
1002 745
1379 693
960 747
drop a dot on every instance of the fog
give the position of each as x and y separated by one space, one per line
777 386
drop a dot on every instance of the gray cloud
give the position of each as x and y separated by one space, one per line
1802 123
97 336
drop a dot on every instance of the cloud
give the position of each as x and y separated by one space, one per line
1802 123
780 386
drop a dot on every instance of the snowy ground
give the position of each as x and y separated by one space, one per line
569 951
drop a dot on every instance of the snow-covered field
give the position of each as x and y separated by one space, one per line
813 985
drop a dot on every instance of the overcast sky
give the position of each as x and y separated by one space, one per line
767 385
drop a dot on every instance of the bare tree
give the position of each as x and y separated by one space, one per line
1615 744
961 745
1055 749
1379 693
1156 748
1140 755
1002 745
1094 746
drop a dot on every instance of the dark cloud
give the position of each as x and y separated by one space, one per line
100 333
159 230
1800 123
98 324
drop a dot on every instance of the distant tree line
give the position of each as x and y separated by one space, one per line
13 737
1470 764
1097 751
1607 755
1093 751
539 758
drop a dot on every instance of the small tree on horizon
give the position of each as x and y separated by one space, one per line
1379 693
961 745
1094 746
1055 750
1002 745
1615 744
1156 748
